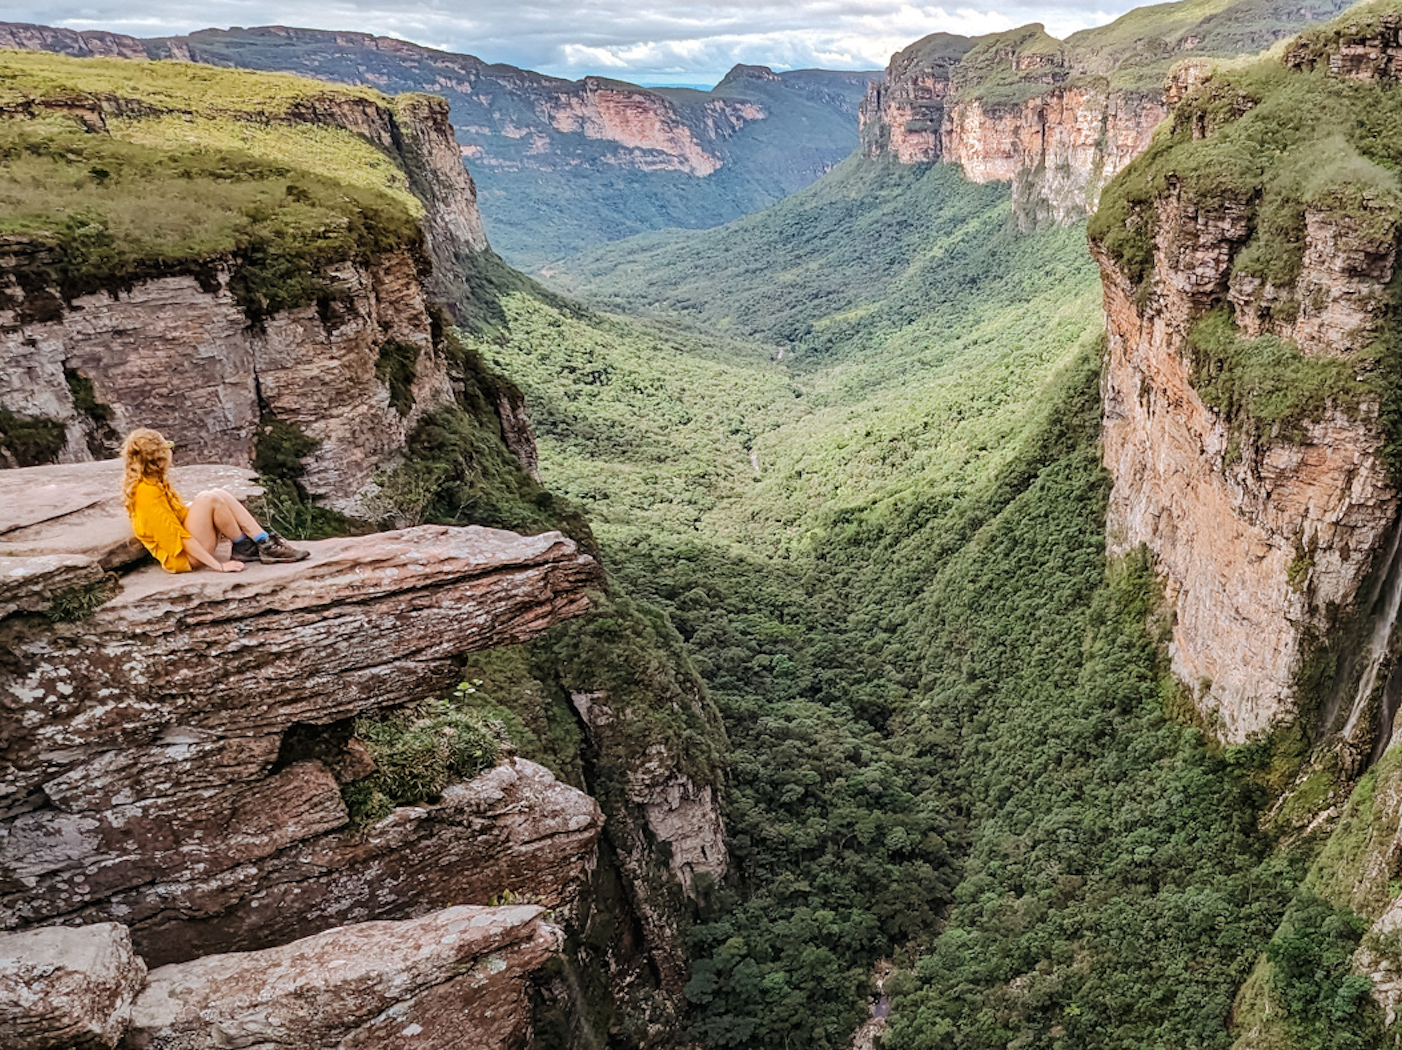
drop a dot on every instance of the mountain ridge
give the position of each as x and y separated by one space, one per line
609 158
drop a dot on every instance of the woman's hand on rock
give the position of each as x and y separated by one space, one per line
232 566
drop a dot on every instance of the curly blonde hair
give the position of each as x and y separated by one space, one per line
146 454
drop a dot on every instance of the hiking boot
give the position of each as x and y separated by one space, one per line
244 549
276 549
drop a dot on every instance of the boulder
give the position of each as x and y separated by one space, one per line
455 978
67 987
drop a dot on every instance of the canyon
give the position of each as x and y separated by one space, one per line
531 136
1049 644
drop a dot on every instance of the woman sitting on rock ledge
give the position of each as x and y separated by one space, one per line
175 533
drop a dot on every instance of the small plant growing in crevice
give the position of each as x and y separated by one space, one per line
102 439
419 751
403 495
78 603
30 441
397 368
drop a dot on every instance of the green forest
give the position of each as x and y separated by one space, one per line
849 445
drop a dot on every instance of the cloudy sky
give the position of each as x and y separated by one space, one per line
662 41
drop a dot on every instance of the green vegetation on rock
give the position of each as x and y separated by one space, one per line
30 440
147 196
419 751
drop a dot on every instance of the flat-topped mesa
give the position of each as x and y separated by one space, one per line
1057 119
174 761
223 351
1247 381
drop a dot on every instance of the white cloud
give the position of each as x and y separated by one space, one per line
688 39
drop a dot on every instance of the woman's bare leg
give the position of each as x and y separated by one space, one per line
246 522
211 517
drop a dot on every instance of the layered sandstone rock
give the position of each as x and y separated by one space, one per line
147 772
454 979
67 988
663 806
178 354
1058 143
512 829
1257 544
21 36
1058 118
651 131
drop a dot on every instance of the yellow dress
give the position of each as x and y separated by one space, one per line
158 519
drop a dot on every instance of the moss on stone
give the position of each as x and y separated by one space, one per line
31 440
78 603
397 368
419 751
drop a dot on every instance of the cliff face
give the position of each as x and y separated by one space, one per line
181 353
1228 526
1056 137
176 762
650 129
1057 119
1273 523
178 354
149 775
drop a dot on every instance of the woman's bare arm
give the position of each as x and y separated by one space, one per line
196 550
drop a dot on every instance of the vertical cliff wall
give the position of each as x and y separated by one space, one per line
1248 393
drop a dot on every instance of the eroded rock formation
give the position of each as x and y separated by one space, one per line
147 774
453 980
181 354
1265 541
1056 118
1058 141
178 354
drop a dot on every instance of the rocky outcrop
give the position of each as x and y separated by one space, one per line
663 806
179 352
512 830
1058 139
650 130
1057 119
1057 149
1365 46
1265 541
67 988
161 761
453 979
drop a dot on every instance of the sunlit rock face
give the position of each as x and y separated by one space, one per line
1267 543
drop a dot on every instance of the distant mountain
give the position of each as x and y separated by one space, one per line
1058 118
561 165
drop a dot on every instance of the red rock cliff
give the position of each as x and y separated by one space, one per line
1057 119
